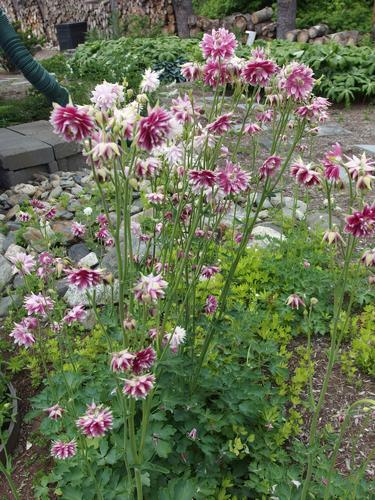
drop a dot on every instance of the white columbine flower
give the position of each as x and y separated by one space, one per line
87 211
150 81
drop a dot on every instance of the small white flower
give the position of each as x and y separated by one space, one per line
87 211
296 483
150 81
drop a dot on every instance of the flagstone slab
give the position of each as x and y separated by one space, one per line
367 147
332 129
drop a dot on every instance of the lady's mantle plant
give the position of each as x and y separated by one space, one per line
197 198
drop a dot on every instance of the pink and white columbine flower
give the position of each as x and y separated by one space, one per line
46 259
150 81
150 288
84 278
316 110
154 129
54 412
332 237
208 271
122 361
202 179
38 304
265 116
23 216
259 71
22 336
175 338
231 179
191 71
368 258
73 123
182 109
211 305
252 128
104 150
332 161
102 234
102 220
270 166
220 44
361 170
106 95
304 174
23 263
78 229
297 80
143 360
63 450
139 387
96 421
216 73
155 198
361 224
37 204
220 125
294 301
77 313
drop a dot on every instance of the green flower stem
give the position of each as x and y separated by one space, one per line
4 470
335 343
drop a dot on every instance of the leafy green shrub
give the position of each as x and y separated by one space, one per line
114 60
220 8
29 40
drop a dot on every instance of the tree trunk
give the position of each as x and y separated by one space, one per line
262 16
183 9
286 16
373 21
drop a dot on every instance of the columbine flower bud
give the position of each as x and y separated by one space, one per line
332 237
142 99
129 323
313 301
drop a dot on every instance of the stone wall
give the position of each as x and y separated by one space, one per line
42 15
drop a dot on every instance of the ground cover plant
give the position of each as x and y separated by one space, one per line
182 389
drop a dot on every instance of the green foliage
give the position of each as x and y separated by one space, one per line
361 353
29 40
220 8
114 60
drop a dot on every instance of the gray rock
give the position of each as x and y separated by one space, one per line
13 250
264 235
289 203
6 303
89 260
18 281
13 226
27 189
9 240
12 212
2 242
6 272
16 199
55 193
78 251
319 220
64 214
62 286
263 214
104 295
89 321
77 189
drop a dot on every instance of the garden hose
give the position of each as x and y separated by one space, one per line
43 81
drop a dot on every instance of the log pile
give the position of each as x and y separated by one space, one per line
319 34
43 15
260 22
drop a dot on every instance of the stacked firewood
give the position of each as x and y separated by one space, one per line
319 34
260 22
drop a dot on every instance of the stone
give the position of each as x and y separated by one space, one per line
74 205
367 147
89 320
12 212
263 235
12 251
90 260
35 239
13 226
319 220
64 227
27 189
10 238
263 214
78 251
18 281
64 214
76 190
2 242
17 199
332 129
74 296
62 286
6 303
289 203
6 272
55 193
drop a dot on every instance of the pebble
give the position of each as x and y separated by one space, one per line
27 189
78 251
12 251
89 260
6 272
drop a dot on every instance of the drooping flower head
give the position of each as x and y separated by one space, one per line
332 236
77 313
23 263
232 179
84 277
154 129
220 125
106 95
216 73
54 412
297 80
78 229
332 161
73 123
304 174
294 301
361 224
211 305
175 338
143 360
38 304
139 387
361 170
219 44
208 271
202 179
259 71
150 288
23 216
368 258
22 336
122 361
182 109
96 421
191 71
270 166
150 81
63 450
252 128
